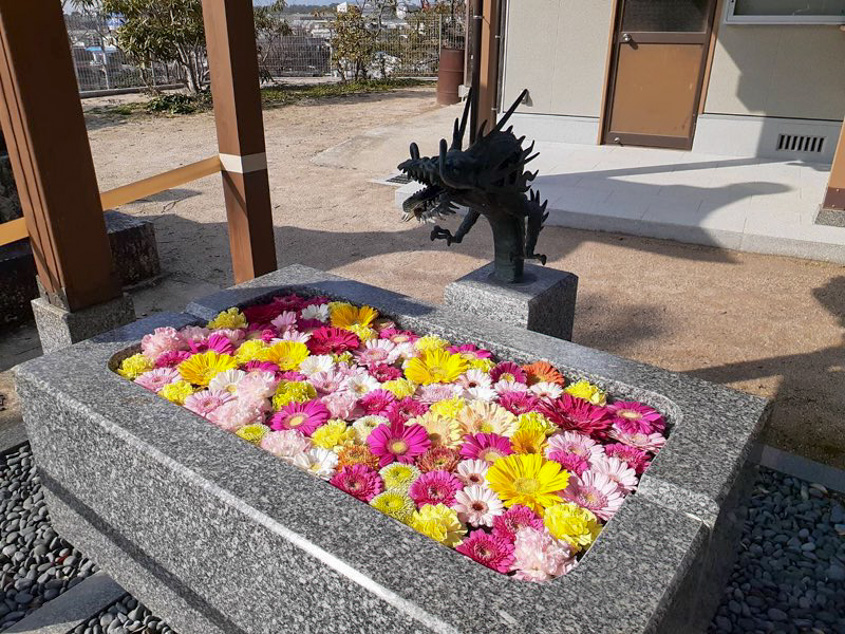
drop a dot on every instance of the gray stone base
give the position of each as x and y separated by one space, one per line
59 328
831 217
544 302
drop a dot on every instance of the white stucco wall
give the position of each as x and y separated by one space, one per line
778 71
557 49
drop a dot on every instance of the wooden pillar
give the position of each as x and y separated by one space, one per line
44 128
489 76
233 61
835 196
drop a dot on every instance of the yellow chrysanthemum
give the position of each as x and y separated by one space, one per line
435 366
399 476
344 358
449 407
133 367
252 350
589 392
440 523
201 368
488 418
573 524
232 318
527 479
535 421
395 504
177 392
442 431
287 354
431 342
485 365
253 433
334 435
364 333
528 441
400 387
343 315
293 391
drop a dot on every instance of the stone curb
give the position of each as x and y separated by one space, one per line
799 467
72 608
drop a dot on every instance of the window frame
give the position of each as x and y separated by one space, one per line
730 17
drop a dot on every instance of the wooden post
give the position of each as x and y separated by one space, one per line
835 196
233 61
489 73
43 124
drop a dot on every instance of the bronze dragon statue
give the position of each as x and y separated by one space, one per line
489 179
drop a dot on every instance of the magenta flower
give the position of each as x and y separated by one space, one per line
487 447
398 441
494 552
571 413
304 417
360 481
631 417
262 366
637 459
398 336
570 461
289 302
435 487
328 340
292 375
377 402
262 314
172 359
405 409
519 402
469 350
509 371
383 372
506 525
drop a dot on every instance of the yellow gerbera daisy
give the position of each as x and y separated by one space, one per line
536 421
431 342
440 523
528 441
488 418
589 392
343 315
435 366
253 433
527 479
201 368
364 333
395 504
293 391
442 431
133 367
252 350
400 387
449 407
573 524
232 318
334 435
177 392
287 354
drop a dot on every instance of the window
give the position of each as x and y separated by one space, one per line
785 12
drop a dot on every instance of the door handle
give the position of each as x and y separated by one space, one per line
626 38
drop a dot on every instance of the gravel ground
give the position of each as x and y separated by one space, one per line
127 615
37 565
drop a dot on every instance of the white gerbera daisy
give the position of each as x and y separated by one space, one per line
321 462
504 386
294 335
544 389
474 378
484 394
227 381
472 472
365 425
361 384
477 505
317 363
320 312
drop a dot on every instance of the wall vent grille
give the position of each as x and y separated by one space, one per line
800 143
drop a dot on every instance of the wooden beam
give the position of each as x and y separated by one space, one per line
44 128
233 61
12 231
489 76
835 194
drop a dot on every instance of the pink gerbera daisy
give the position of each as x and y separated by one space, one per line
508 371
518 516
637 459
383 372
570 462
172 359
359 480
156 379
519 402
328 382
328 340
206 401
304 417
636 418
648 442
472 472
489 550
617 470
285 321
572 413
405 409
377 402
434 487
575 443
486 447
398 441
235 414
375 352
595 492
477 505
262 366
468 350
398 336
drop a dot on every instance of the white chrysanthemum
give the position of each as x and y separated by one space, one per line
361 384
320 312
544 389
321 462
617 470
472 472
483 394
365 425
477 505
227 381
504 386
317 363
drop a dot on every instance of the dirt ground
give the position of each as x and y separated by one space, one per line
767 325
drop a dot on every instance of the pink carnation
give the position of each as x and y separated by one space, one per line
235 414
342 405
539 557
383 372
430 394
569 461
160 341
286 444
405 409
435 487
257 385
487 549
360 481
516 517
194 333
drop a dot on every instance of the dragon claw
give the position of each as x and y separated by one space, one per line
537 256
439 233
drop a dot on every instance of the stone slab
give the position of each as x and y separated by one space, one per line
543 302
59 328
217 536
831 217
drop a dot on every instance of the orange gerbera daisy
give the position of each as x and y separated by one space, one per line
540 371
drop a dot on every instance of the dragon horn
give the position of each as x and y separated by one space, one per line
444 147
415 151
460 131
511 110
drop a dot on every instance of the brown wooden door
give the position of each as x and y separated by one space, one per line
660 50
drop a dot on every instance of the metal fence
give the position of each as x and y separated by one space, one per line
407 47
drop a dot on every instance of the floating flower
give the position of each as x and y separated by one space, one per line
637 459
327 382
440 523
470 351
508 524
488 550
375 352
156 379
316 312
162 340
435 487
504 387
430 342
201 368
636 418
484 365
285 444
575 443
232 318
399 477
527 479
398 442
400 388
341 405
573 524
172 359
365 425
508 371
448 407
483 394
472 472
333 435
317 364
252 433
287 354
528 441
361 384
227 381
384 373
363 332
618 471
587 391
547 391
332 341
539 557
219 343
304 417
595 492
439 459
570 462
486 447
235 414
519 402
398 336
261 313
535 421
394 504
441 431
356 454
252 350
257 386
206 401
575 413
474 378
377 402
542 372
489 418
477 505
285 321
133 367
342 315
647 442
430 394
262 366
293 392
435 366
320 462
360 481
177 392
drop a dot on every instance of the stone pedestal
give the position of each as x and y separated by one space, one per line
543 302
59 328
